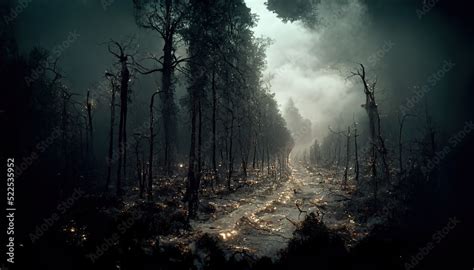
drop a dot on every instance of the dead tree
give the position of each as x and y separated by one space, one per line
89 123
382 149
214 121
356 154
151 144
376 140
401 122
348 141
166 18
192 190
429 143
113 87
230 151
120 53
139 164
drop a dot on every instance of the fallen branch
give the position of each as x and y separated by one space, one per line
301 211
292 222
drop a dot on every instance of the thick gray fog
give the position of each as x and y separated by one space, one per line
399 45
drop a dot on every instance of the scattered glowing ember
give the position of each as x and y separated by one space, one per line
228 235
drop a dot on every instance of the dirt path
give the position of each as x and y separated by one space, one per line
262 221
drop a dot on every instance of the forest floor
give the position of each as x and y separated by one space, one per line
260 219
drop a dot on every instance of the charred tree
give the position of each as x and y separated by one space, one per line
150 148
356 154
124 79
167 18
111 129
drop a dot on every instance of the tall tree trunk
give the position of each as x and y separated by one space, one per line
150 147
89 121
356 151
193 185
138 166
124 79
268 159
120 156
111 138
383 149
231 157
167 98
214 120
254 159
199 148
348 138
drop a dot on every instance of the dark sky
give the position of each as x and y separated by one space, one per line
48 23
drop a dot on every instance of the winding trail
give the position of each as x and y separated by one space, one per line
261 221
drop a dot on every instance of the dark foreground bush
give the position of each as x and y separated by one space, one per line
314 246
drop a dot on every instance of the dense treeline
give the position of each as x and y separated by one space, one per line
228 119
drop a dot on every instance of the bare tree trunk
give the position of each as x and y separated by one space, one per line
167 97
356 150
89 121
400 146
193 184
268 160
348 137
231 157
214 120
125 141
143 176
120 156
254 159
199 148
138 165
383 149
124 79
339 147
150 147
111 137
